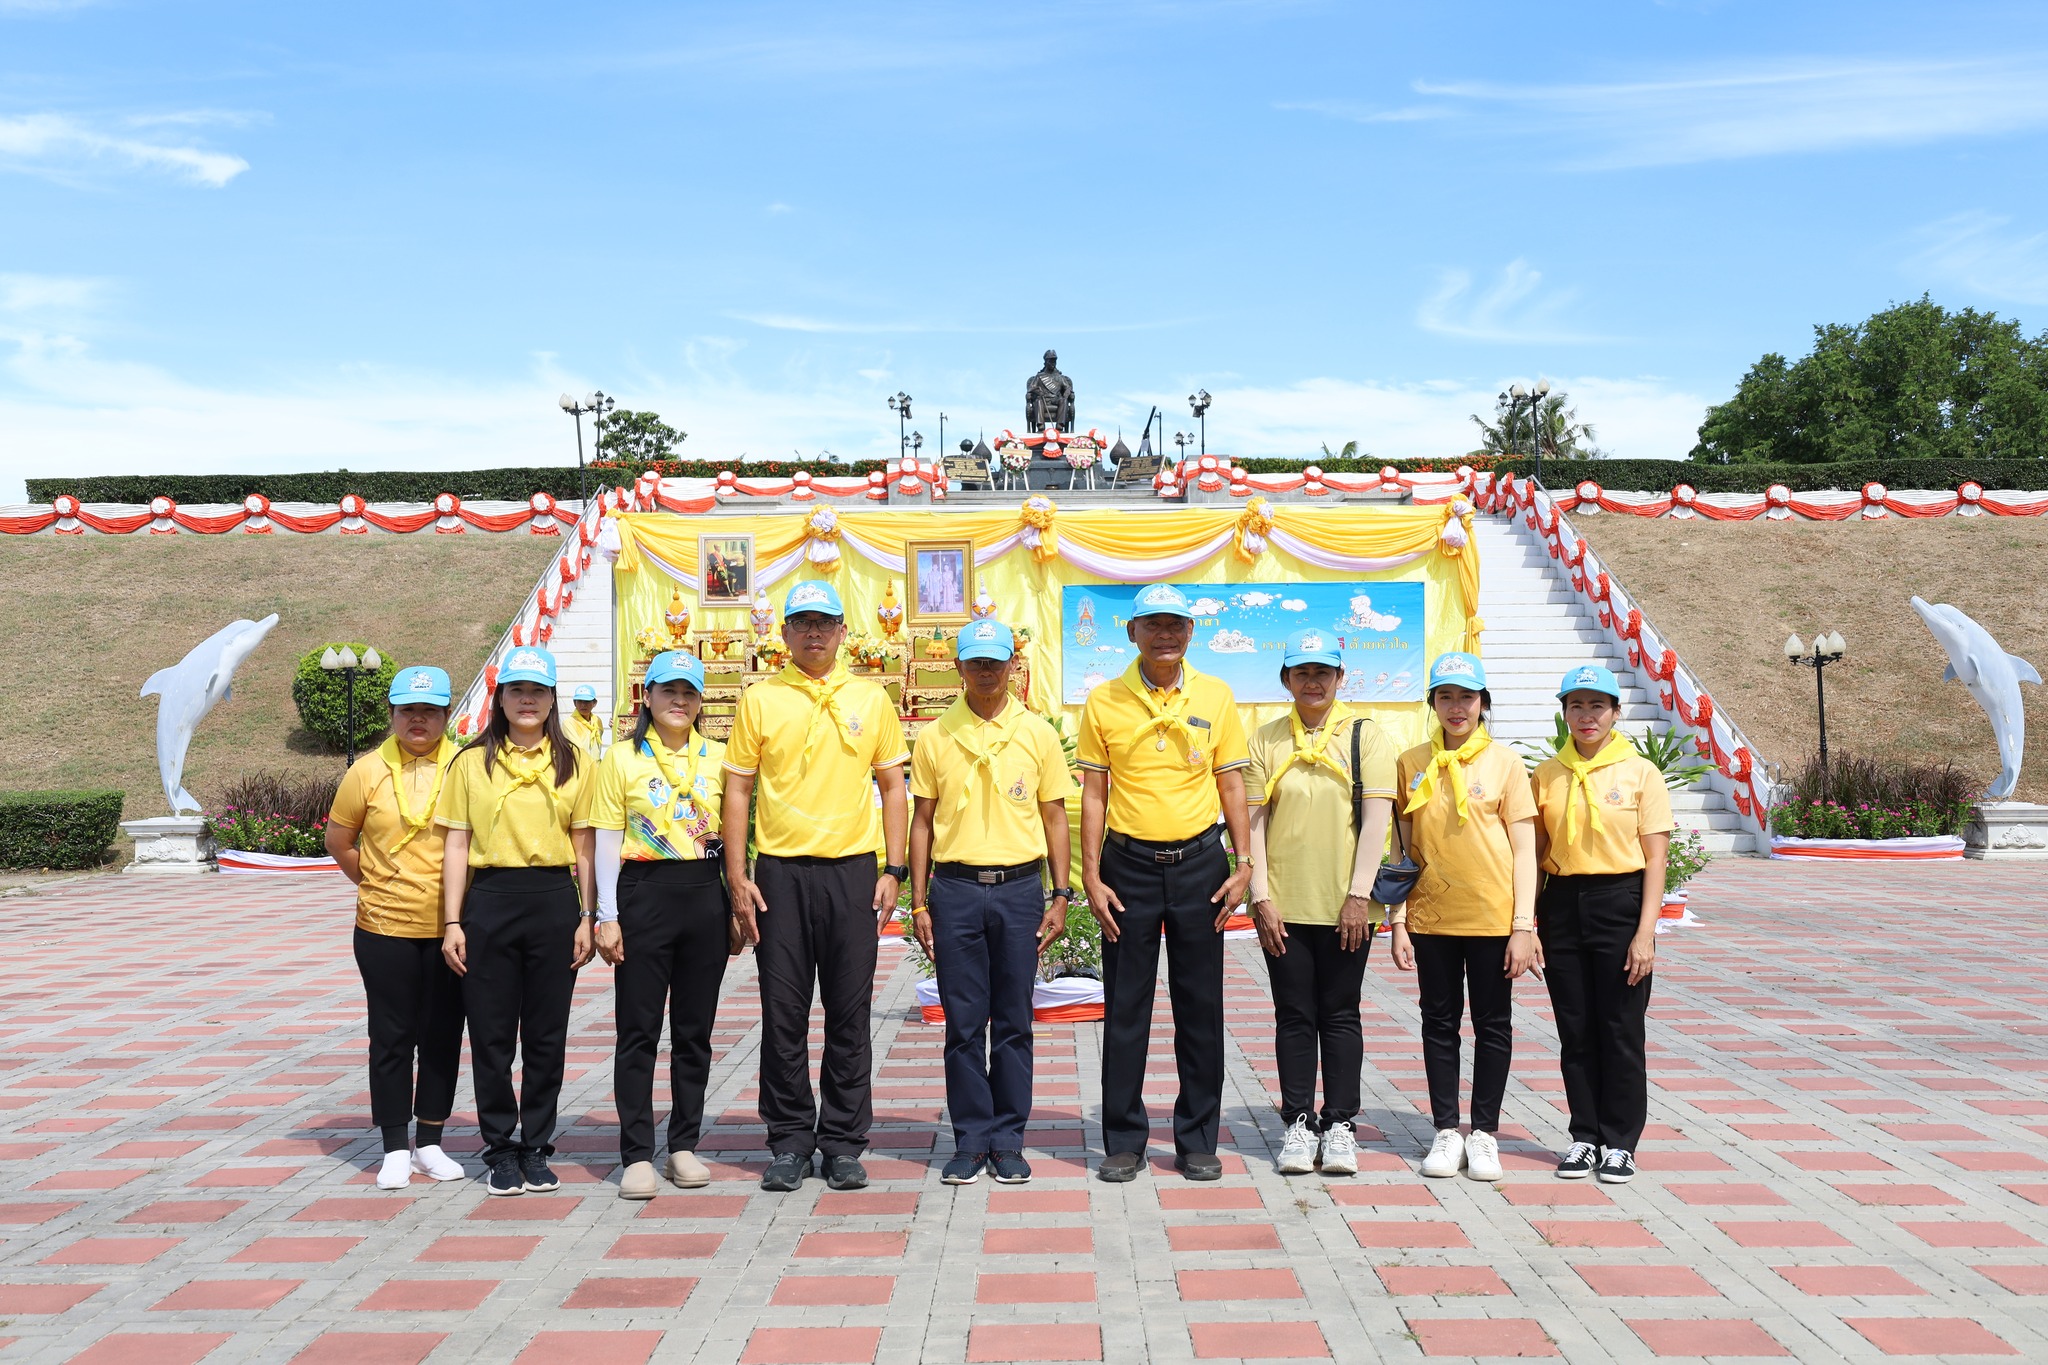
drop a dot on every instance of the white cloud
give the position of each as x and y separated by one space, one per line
55 144
1511 310
1294 604
1979 252
1351 111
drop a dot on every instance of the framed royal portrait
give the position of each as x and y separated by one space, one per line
941 581
725 569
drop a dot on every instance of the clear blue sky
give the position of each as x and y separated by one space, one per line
246 236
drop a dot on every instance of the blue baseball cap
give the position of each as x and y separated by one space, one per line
987 640
1161 599
675 665
1311 647
1457 670
586 693
1590 678
421 686
814 595
528 663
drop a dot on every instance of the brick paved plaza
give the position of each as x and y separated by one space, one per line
1842 1165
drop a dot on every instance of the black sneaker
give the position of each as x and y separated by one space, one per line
504 1178
1199 1165
845 1173
1119 1167
964 1168
1011 1168
786 1172
1578 1161
535 1175
1617 1167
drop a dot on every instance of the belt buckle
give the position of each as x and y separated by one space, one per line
987 878
1167 856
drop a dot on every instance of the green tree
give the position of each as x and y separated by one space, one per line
1555 424
630 437
1913 381
1348 451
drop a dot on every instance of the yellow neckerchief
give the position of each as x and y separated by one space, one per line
1616 750
542 766
395 760
962 722
1309 751
1454 760
656 750
594 726
1161 716
824 695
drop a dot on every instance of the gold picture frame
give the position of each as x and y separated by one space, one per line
940 579
725 570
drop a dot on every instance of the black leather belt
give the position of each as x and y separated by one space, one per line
986 876
1164 853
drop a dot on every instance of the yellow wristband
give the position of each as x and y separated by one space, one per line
920 909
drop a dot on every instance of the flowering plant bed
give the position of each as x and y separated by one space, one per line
269 833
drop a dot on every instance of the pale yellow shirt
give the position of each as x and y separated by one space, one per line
531 827
1311 843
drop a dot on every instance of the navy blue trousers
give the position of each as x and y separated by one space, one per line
987 943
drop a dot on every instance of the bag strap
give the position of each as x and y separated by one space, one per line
1357 785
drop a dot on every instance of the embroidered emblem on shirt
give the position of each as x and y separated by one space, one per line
1195 758
1614 797
1017 792
853 725
1476 790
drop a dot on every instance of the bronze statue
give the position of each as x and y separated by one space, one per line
1049 398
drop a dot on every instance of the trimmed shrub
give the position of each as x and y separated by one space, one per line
58 829
626 472
322 698
406 485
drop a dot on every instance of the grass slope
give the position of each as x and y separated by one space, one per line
86 620
1728 593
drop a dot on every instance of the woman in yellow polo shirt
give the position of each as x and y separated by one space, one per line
1313 869
382 833
662 916
1469 924
517 811
1605 829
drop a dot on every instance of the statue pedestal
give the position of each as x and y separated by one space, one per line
170 843
2006 830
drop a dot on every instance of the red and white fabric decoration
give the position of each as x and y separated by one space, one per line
1932 848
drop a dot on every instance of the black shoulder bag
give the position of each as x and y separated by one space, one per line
1395 879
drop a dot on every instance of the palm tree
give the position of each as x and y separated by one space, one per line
1555 426
1348 451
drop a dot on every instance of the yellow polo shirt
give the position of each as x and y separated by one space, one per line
988 815
1467 885
1632 801
513 823
400 894
1167 794
588 734
630 793
1310 842
815 800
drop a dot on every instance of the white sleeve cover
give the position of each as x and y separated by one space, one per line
609 842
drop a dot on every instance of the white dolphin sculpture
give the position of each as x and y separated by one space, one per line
190 688
1993 677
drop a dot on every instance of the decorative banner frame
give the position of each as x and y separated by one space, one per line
722 550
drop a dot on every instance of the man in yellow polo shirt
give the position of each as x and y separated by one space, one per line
818 742
1161 751
990 784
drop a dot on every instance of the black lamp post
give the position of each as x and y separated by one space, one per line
916 445
900 405
1199 401
597 404
1183 439
345 662
1828 648
1517 398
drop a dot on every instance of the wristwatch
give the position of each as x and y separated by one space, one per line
897 870
1062 894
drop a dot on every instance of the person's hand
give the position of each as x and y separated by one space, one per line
1642 956
1521 952
886 890
1104 905
1354 923
455 949
611 943
586 945
1231 894
1272 933
747 903
1403 949
1051 924
921 925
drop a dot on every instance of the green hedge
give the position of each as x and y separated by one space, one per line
58 829
1366 464
322 697
1661 476
500 485
746 469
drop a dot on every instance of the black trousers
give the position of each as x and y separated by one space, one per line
672 920
819 930
1447 967
1316 988
987 942
1170 901
414 1003
1586 924
520 925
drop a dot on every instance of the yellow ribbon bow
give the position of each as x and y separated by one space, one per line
963 724
1616 750
394 760
1453 761
535 770
824 695
1163 717
1309 750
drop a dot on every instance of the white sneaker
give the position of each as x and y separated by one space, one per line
1447 1156
396 1172
435 1164
1298 1152
1482 1157
1340 1150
